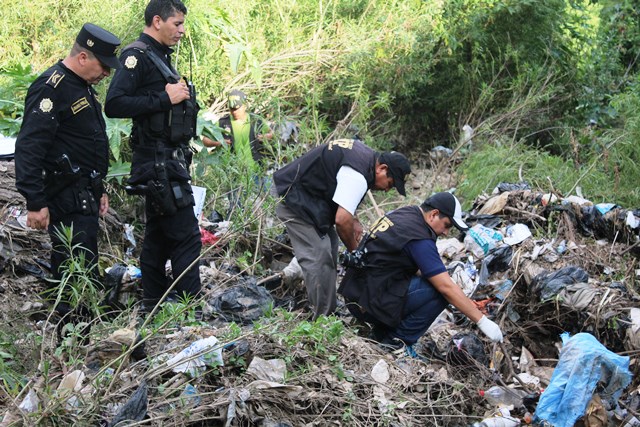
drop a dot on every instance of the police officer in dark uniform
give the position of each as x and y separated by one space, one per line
62 150
383 288
163 108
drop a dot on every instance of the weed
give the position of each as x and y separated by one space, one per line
178 313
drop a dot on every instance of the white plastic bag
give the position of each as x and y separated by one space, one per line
194 359
480 240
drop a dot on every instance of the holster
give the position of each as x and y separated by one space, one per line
161 174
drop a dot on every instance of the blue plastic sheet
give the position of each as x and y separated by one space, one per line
583 363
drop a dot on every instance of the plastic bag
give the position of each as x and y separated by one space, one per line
194 359
584 362
507 186
243 304
498 259
466 349
548 285
134 410
480 240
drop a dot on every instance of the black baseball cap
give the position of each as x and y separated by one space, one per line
449 206
236 98
399 168
101 43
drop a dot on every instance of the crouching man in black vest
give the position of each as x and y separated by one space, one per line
322 189
163 107
384 289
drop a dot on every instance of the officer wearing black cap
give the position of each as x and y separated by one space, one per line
321 191
385 290
62 150
149 90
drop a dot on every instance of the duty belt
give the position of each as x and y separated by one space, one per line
174 153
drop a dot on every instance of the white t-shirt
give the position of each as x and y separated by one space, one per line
351 188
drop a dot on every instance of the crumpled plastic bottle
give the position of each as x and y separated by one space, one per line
503 396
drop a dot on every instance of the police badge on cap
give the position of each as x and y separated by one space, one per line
101 43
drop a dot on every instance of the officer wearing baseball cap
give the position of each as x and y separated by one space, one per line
101 43
449 206
62 149
399 168
386 289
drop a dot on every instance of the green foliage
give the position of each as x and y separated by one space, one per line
117 130
494 164
401 74
177 313
14 366
79 284
317 334
14 82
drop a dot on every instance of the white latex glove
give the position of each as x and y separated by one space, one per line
490 329
292 273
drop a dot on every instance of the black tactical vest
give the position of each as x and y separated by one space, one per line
309 182
177 126
380 288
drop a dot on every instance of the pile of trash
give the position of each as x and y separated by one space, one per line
558 274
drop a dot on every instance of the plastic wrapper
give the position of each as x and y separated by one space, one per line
480 240
194 359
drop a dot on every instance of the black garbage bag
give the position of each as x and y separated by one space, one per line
113 285
466 349
547 285
498 259
243 303
489 221
215 217
134 410
507 186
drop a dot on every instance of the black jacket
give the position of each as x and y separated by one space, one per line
137 91
61 116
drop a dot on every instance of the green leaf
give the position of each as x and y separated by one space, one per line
235 51
118 169
256 71
116 129
209 129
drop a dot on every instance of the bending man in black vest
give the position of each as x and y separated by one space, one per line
149 90
321 189
386 291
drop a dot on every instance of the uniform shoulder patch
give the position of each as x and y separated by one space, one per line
46 105
55 78
131 62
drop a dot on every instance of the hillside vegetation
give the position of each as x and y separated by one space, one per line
551 83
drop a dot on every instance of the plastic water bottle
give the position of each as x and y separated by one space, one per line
503 396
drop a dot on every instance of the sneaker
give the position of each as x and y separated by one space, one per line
411 352
390 344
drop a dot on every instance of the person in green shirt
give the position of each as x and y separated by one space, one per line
243 131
